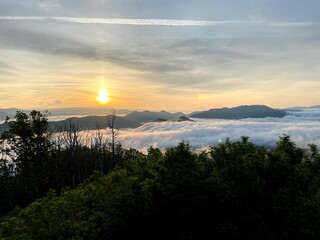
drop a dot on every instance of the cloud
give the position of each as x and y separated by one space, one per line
303 126
159 22
228 56
153 56
43 42
6 68
186 64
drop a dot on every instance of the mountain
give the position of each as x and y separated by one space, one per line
193 113
293 109
148 116
85 123
316 106
10 112
240 112
301 108
182 119
94 122
309 107
3 115
178 119
160 120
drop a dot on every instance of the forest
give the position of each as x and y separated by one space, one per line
56 185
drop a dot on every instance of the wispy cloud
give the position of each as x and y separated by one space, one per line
159 22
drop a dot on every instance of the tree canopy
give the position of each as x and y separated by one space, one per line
235 190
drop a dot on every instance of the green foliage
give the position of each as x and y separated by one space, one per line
33 159
235 190
27 143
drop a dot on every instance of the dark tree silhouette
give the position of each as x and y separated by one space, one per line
111 123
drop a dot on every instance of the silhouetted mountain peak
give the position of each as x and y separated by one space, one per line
148 116
94 122
182 119
160 120
239 112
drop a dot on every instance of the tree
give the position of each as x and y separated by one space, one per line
8 181
28 140
111 123
100 146
73 144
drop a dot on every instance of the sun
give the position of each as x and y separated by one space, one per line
103 96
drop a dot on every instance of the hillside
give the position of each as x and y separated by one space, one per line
85 123
148 116
182 119
3 115
236 191
94 122
178 119
240 112
10 112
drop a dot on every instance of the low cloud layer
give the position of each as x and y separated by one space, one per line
302 125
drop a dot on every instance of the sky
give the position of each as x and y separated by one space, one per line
176 55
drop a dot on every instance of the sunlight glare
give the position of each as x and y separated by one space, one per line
103 96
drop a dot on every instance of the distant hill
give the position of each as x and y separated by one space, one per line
86 123
309 107
10 112
135 119
193 113
316 106
240 112
3 115
292 109
178 119
301 108
94 122
182 119
148 116
160 120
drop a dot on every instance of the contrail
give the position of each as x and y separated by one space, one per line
158 22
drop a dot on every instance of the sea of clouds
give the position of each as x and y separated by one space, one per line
303 125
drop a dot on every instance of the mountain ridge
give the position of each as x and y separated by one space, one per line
137 118
149 116
93 123
240 112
